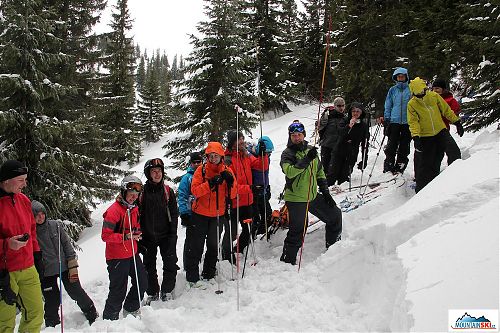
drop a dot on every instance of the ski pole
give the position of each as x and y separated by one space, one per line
363 159
373 167
248 222
133 256
219 255
230 233
60 275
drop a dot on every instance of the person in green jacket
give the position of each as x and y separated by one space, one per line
304 174
426 110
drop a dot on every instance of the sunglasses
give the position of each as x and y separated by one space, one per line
134 187
156 162
296 127
196 161
340 105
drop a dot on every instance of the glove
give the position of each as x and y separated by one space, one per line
328 199
460 128
257 189
6 293
262 148
362 165
215 180
73 270
228 177
185 220
39 264
312 153
387 124
418 144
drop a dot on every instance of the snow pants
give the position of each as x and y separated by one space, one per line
50 290
204 229
332 216
262 210
119 271
26 284
398 147
168 248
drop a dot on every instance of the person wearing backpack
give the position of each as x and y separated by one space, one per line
185 198
303 176
159 215
52 237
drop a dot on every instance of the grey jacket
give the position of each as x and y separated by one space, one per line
48 236
330 129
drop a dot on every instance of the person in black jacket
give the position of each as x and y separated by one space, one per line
51 235
158 219
329 131
353 134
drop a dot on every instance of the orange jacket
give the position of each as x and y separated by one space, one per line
205 202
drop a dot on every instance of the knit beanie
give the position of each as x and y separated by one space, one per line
440 83
195 156
11 169
232 136
37 207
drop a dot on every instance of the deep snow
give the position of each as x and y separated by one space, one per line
403 262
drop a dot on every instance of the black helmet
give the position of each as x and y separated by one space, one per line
153 163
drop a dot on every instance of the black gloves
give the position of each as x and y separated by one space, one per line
310 156
460 128
312 153
362 165
386 127
6 293
39 263
257 189
228 177
185 220
262 148
418 144
215 180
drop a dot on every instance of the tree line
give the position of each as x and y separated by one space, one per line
75 104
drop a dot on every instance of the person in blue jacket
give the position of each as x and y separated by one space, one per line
396 124
185 198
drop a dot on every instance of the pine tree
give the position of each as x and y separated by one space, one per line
141 73
34 128
117 93
217 81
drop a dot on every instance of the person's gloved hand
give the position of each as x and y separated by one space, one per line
362 164
460 128
185 220
37 256
257 189
418 144
228 177
312 153
262 148
215 180
73 270
328 199
6 293
387 124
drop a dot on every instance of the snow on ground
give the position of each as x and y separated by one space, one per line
403 261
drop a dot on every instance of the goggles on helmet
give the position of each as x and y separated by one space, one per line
296 127
156 162
135 187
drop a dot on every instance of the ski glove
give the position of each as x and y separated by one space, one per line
310 156
228 177
312 153
460 128
73 270
6 293
39 264
215 180
386 127
257 189
262 148
185 220
362 165
418 144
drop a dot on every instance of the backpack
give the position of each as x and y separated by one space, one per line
279 218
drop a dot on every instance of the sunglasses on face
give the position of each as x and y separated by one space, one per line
134 187
296 128
157 162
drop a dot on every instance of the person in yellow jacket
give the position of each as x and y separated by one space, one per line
428 130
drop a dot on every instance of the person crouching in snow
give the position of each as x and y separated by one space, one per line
303 175
121 231
51 237
211 185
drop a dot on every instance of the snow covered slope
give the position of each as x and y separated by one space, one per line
403 261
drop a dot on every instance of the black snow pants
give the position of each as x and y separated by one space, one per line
167 246
398 143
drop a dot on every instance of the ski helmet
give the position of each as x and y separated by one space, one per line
131 183
153 163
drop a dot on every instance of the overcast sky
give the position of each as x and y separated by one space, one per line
164 24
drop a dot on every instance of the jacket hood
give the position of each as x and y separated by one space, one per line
359 106
214 147
400 70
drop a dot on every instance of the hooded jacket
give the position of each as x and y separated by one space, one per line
330 128
185 198
397 99
16 218
452 102
425 114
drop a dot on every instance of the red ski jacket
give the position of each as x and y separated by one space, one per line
16 218
116 224
452 102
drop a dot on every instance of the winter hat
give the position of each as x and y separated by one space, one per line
37 207
231 138
11 169
440 83
417 86
358 106
153 163
296 127
214 147
400 70
338 101
195 156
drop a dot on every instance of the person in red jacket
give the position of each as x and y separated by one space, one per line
20 256
211 185
121 231
241 163
451 148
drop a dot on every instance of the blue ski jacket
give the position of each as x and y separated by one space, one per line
397 99
184 197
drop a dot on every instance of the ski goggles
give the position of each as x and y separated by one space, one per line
134 187
156 162
296 127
